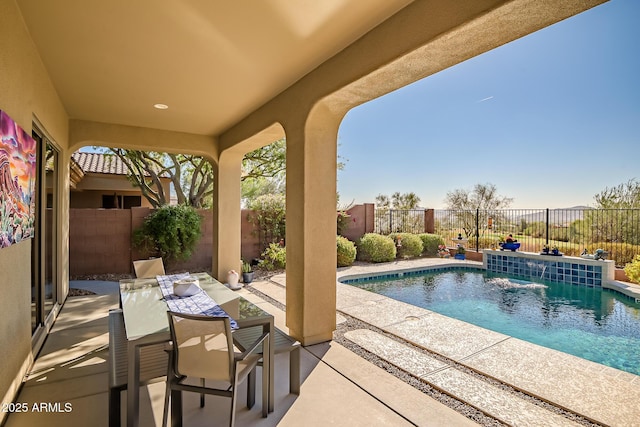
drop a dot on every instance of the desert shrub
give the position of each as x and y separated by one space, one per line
274 257
622 254
560 234
374 247
485 242
632 270
430 243
170 232
535 229
346 251
411 245
342 221
269 217
571 250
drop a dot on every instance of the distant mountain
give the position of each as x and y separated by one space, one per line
562 216
586 208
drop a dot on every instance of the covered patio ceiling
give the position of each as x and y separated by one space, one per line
211 62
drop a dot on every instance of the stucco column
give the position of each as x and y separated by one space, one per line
311 227
226 214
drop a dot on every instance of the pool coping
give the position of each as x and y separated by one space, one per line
630 290
354 278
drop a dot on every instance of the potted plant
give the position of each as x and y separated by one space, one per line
443 251
509 243
545 249
247 272
555 250
460 252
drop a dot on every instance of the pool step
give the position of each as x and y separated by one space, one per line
487 397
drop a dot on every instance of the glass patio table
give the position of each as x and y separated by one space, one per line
146 323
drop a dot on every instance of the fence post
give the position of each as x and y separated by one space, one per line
369 215
429 221
478 230
547 230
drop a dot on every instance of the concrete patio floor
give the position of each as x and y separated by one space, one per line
339 387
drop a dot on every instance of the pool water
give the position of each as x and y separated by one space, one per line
589 322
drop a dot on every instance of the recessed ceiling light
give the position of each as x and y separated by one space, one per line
160 106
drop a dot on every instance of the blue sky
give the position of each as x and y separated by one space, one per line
551 120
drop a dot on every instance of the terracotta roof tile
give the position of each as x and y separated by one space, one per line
102 163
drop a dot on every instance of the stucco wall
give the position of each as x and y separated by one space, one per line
100 241
361 221
26 93
15 328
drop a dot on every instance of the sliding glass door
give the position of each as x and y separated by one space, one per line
44 283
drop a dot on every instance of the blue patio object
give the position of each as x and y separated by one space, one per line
512 246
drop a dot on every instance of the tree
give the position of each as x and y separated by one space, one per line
623 196
616 224
192 176
252 188
474 207
264 172
266 162
483 196
398 201
268 215
392 213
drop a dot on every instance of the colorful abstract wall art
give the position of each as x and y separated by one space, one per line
17 182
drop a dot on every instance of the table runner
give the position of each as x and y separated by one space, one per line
200 303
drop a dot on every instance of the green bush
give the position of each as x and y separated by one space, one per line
486 242
535 229
632 270
269 217
430 243
171 232
342 221
411 245
346 250
559 234
621 254
374 247
274 257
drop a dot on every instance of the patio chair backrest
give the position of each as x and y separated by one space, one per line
148 268
203 346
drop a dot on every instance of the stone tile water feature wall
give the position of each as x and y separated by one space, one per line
559 269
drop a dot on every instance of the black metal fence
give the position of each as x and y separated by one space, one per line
572 231
389 221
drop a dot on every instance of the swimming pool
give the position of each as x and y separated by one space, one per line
589 322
